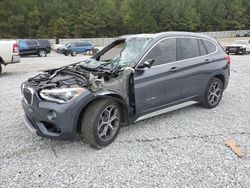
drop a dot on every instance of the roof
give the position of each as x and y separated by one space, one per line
164 34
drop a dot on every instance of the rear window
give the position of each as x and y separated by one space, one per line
210 47
188 48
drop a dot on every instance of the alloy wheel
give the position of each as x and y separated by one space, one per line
108 123
214 93
42 53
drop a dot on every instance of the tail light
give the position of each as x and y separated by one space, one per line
15 48
227 58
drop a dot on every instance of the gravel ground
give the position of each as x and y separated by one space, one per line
184 148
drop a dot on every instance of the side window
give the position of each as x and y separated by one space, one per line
78 44
163 52
32 42
209 46
188 48
73 44
86 44
203 50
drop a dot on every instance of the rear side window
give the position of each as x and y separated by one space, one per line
32 42
203 50
163 52
83 44
210 47
188 48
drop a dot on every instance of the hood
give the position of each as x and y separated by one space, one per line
79 75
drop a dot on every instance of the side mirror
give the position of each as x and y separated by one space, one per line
147 64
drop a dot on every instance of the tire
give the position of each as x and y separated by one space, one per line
244 52
42 53
1 69
88 52
212 97
73 54
95 130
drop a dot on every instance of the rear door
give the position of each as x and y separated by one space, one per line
32 46
159 86
195 63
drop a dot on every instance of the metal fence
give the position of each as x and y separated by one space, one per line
99 42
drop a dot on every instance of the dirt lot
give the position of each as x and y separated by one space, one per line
184 148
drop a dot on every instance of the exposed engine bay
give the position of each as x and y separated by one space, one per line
78 76
110 69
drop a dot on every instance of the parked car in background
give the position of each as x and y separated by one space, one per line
62 48
74 48
247 34
239 47
55 47
38 47
9 53
133 78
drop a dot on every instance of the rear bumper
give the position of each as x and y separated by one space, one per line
16 59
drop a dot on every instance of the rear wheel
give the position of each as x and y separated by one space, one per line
101 123
42 53
244 52
213 94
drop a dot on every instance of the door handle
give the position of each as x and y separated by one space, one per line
207 61
174 69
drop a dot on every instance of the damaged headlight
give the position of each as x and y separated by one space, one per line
62 95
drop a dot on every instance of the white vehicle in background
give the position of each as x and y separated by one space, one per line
8 53
239 47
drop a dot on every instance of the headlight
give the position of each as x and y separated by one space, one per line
61 95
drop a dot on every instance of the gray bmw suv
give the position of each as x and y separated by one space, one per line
133 78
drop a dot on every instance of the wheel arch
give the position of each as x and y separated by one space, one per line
221 77
1 60
125 110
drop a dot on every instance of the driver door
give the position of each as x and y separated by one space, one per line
159 86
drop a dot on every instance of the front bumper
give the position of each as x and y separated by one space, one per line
52 120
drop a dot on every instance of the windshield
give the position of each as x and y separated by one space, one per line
121 54
240 42
68 44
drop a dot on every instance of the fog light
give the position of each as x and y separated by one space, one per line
51 115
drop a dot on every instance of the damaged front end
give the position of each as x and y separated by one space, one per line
64 84
109 72
55 99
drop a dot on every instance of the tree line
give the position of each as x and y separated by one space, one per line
109 18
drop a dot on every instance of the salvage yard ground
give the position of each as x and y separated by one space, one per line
184 148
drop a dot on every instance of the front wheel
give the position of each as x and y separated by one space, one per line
42 53
213 93
101 123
